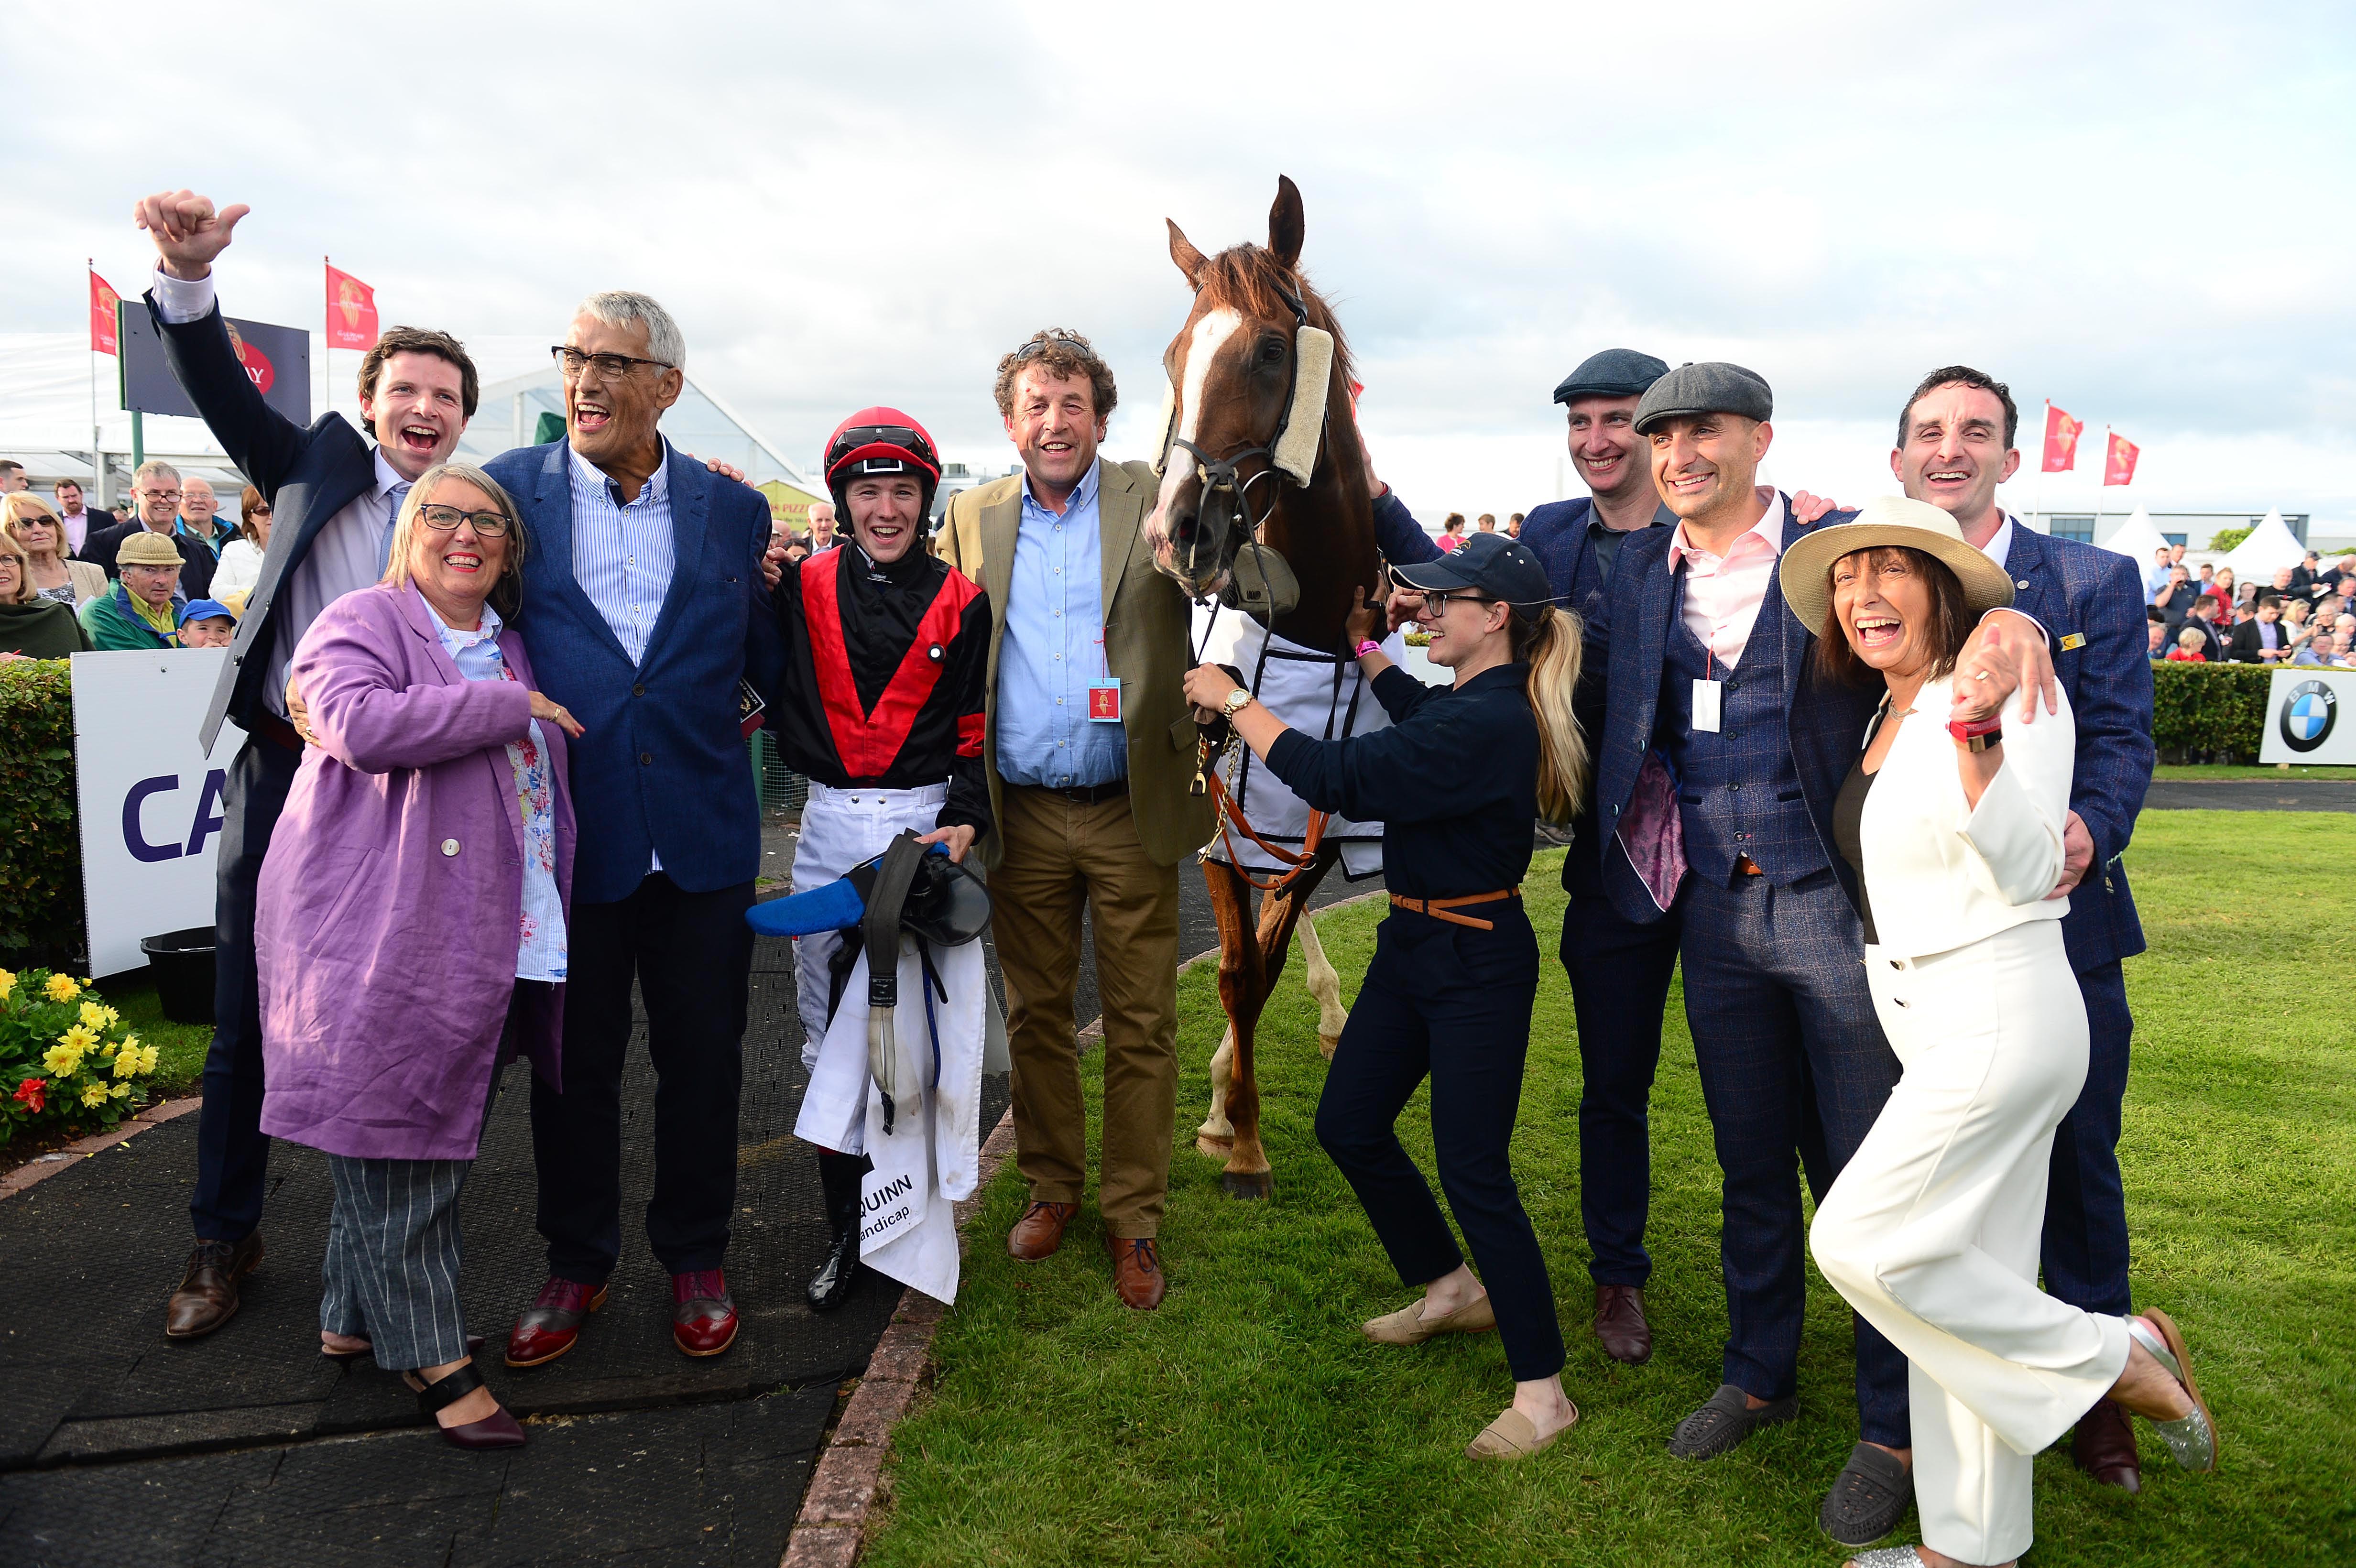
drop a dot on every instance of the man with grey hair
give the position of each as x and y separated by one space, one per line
199 533
646 607
155 496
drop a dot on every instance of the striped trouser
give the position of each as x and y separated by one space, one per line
392 1269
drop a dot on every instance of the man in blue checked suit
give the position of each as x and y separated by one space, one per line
646 606
1954 445
1619 969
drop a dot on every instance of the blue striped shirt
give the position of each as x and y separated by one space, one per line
623 555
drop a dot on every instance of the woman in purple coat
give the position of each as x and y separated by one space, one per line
411 925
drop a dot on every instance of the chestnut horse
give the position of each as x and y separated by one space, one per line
1256 453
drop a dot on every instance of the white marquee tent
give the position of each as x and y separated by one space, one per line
2270 547
2137 537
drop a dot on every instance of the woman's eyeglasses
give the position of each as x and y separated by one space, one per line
445 520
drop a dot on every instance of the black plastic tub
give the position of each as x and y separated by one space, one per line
182 963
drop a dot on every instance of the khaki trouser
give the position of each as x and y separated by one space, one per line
1060 856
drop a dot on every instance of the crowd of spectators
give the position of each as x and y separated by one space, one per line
2201 616
167 573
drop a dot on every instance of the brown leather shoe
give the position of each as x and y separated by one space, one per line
1136 1271
208 1294
1620 1324
1040 1231
2104 1447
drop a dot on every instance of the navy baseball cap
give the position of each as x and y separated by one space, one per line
1492 564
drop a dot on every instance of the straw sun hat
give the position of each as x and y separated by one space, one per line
1807 567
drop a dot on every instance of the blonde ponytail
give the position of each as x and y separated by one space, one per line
1552 646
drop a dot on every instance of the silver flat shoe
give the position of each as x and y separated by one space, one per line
1888 1557
2192 1438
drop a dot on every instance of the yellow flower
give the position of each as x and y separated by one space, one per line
62 1061
94 1095
7 984
120 1091
147 1059
126 1062
81 1036
112 1017
93 1016
62 988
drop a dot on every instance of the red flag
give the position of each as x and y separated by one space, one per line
351 310
2119 460
102 300
2060 440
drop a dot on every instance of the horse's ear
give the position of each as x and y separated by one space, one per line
1286 225
1181 250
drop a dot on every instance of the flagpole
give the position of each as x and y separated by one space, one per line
326 345
97 458
2038 502
2098 489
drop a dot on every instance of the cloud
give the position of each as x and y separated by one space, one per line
2141 214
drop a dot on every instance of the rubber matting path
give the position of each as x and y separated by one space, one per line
249 1446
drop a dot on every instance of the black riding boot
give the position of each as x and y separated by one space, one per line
839 1176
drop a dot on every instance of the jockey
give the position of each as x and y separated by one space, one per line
882 709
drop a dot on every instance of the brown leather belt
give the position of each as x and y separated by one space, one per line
271 727
1744 865
1438 909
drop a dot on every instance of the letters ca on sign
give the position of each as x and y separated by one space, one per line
205 822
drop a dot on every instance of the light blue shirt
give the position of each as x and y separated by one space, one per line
1053 649
2155 578
623 556
541 946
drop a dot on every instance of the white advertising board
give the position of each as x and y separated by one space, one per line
148 797
2304 723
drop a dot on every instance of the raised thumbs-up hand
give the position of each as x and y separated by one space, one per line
188 233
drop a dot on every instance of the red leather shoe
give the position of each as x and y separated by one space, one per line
552 1324
703 1318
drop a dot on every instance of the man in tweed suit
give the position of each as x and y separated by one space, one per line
1713 688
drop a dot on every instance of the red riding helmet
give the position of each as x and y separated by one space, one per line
880 441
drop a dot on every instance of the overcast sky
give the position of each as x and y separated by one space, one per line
2142 213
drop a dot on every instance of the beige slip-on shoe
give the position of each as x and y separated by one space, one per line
1514 1435
1407 1325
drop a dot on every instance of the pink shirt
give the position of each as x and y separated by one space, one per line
1723 593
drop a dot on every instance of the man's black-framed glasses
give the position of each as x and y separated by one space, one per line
610 367
445 520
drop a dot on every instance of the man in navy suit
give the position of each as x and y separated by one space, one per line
1954 447
335 499
645 604
1619 968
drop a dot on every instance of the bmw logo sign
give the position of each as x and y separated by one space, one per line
2307 716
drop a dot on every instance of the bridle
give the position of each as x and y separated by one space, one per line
1224 475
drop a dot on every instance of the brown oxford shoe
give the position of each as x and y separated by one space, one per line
2105 1447
1136 1271
1040 1231
208 1294
1620 1324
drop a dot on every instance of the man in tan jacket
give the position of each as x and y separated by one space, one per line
1091 748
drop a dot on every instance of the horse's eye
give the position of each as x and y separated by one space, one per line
1272 351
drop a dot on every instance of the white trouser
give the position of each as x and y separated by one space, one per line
929 1158
1931 1230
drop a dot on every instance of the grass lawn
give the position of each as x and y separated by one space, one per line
1249 1422
180 1059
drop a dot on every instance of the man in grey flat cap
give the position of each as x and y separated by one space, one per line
1714 717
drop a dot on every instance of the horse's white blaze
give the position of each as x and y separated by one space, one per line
1215 328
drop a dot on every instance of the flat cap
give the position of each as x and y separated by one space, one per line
1711 387
148 547
1614 373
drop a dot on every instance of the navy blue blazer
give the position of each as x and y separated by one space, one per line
307 475
661 767
2077 591
1823 723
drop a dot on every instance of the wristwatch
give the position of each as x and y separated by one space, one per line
1238 700
1977 735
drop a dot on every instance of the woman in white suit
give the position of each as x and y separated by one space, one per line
1952 821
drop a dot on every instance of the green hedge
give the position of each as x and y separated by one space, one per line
40 849
2210 706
